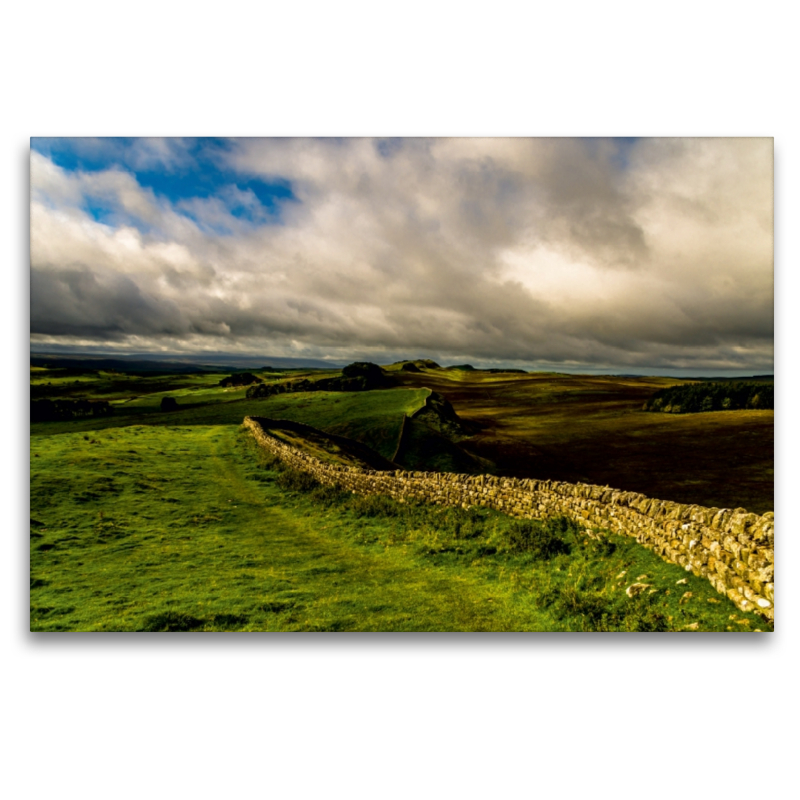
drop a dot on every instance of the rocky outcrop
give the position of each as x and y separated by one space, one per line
731 548
437 413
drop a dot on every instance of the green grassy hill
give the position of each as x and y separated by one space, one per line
576 428
373 418
151 520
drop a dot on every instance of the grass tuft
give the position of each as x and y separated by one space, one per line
542 540
171 621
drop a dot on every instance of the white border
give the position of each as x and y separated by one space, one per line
404 715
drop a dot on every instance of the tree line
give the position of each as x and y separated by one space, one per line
48 410
360 376
691 398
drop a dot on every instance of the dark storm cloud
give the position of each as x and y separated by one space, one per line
82 303
652 253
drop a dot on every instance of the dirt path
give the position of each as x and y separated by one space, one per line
336 584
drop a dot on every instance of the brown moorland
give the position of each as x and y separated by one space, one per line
592 429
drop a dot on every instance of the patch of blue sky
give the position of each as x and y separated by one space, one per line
388 147
189 169
115 218
100 212
620 154
209 181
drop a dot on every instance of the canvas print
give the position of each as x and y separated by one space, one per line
401 384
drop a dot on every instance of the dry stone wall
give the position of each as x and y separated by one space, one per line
732 548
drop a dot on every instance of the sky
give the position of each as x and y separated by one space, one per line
640 256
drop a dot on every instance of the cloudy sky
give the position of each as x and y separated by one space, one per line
648 255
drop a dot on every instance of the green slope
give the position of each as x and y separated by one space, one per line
373 418
181 528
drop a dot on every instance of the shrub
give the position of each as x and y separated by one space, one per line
541 540
328 495
597 612
643 617
268 460
240 379
602 547
171 621
375 506
594 610
169 404
295 480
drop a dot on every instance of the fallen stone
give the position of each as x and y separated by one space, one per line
636 589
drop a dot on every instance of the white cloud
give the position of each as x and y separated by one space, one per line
541 250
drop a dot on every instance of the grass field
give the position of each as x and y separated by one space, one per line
169 527
373 418
574 428
147 520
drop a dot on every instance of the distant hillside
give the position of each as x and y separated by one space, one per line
175 364
94 363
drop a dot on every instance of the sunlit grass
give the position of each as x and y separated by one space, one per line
190 528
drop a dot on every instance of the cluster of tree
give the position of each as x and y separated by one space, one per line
417 365
470 368
690 398
52 410
240 379
358 377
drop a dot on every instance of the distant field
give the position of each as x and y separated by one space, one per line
592 429
544 425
